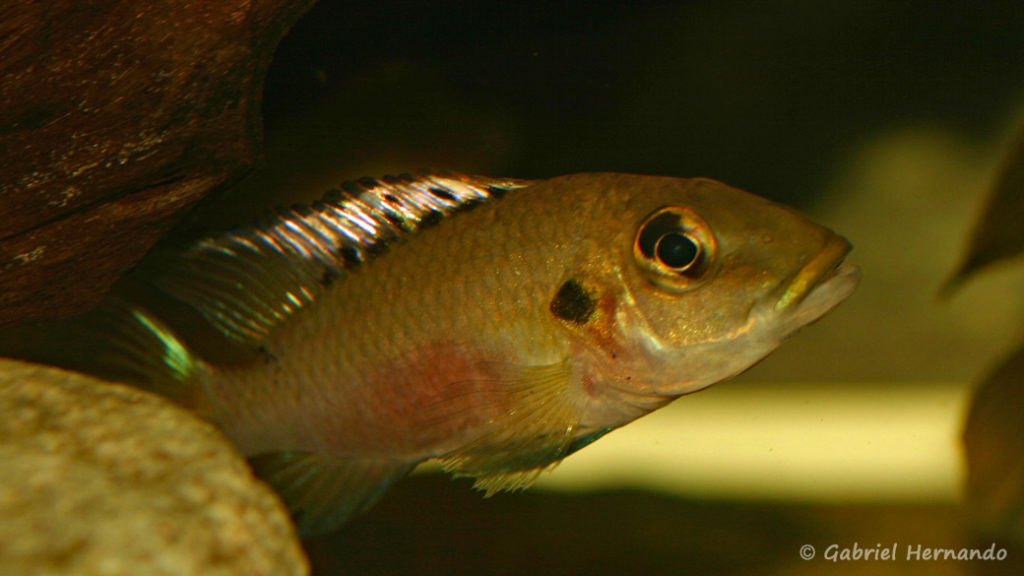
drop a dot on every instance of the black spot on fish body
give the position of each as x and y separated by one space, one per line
573 303
392 199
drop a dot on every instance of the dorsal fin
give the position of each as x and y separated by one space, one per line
248 281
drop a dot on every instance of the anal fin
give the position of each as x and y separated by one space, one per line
323 492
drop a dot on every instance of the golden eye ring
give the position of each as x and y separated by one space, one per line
674 248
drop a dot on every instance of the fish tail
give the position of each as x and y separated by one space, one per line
143 351
120 341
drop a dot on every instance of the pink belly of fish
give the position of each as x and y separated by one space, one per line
426 404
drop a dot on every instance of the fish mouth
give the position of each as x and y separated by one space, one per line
822 283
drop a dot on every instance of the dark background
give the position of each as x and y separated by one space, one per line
765 95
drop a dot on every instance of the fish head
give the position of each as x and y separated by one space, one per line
711 279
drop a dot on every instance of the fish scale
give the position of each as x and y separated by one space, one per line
319 242
496 325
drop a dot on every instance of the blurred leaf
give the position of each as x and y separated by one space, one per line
994 446
999 233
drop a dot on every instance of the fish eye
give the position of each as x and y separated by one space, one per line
674 247
677 251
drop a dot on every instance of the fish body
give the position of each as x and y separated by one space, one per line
495 325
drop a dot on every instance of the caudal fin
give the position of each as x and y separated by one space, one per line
119 341
143 351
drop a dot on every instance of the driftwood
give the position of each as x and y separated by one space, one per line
114 117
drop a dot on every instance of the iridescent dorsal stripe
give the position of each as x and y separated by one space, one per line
247 281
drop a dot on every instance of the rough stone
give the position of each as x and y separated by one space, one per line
100 478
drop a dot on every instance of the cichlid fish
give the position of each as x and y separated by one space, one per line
495 325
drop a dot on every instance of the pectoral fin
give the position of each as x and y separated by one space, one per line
323 492
533 435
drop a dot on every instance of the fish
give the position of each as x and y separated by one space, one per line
993 452
494 325
997 235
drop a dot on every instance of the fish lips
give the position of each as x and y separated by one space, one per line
819 286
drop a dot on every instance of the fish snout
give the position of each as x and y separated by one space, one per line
825 266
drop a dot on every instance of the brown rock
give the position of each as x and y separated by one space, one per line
99 478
